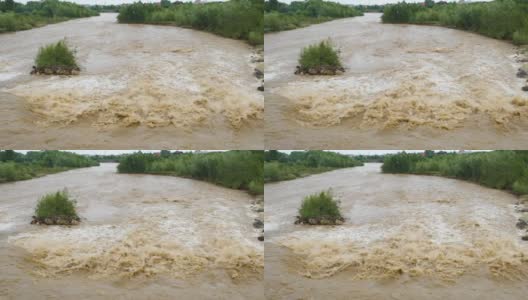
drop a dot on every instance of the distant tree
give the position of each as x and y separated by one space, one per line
8 155
429 3
7 5
272 5
165 153
429 153
165 3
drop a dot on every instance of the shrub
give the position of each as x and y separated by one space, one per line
319 206
319 55
256 38
55 205
520 186
134 13
256 187
10 171
271 171
400 12
56 55
520 37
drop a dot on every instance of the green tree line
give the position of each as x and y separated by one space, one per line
17 16
504 169
237 169
16 166
499 19
237 19
280 16
280 166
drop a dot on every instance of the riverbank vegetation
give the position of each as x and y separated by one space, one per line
233 169
17 16
57 59
16 166
237 19
499 19
319 209
504 169
56 209
280 16
319 59
280 166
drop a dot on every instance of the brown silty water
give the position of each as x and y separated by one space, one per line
404 84
404 237
141 237
154 85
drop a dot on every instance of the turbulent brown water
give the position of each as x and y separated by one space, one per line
404 84
141 237
154 85
405 237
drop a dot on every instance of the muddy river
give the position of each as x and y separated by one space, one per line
404 84
405 237
141 237
153 85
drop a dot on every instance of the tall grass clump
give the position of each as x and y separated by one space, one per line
57 55
56 59
56 209
317 55
319 209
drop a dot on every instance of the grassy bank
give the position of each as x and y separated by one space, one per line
16 166
499 19
281 16
280 166
505 170
237 19
233 169
17 16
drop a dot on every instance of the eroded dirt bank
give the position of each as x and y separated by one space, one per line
405 237
157 85
141 237
418 85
